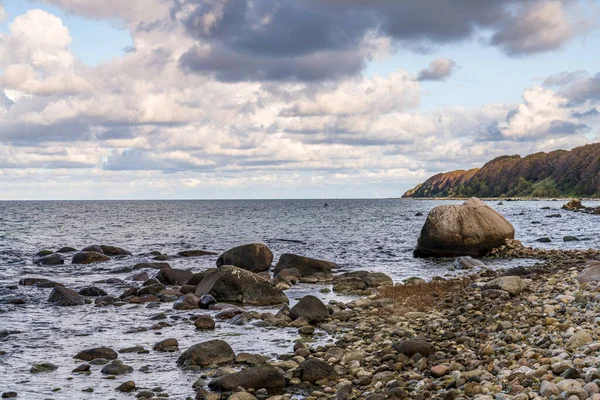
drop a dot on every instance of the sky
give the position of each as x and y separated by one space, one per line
256 99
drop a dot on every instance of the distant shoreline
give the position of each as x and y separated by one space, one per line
504 198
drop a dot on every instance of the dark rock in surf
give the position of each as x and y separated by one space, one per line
187 302
66 249
166 345
63 297
314 369
196 253
261 377
116 367
89 257
172 276
207 353
311 308
52 259
255 257
97 352
92 291
39 282
306 266
151 265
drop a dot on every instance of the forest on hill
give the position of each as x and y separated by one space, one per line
560 173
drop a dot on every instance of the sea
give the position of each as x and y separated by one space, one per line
370 234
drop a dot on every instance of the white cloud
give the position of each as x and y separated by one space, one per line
2 13
439 69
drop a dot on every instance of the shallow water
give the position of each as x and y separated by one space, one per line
376 235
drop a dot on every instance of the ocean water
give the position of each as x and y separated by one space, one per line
375 235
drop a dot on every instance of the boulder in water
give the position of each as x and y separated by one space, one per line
173 276
261 377
51 259
206 353
468 262
573 205
472 228
92 291
255 257
152 265
97 352
187 302
311 308
66 249
233 284
306 266
196 253
89 257
61 296
358 281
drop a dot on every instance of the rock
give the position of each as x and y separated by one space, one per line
311 308
232 284
314 369
204 322
548 389
261 377
92 291
468 262
152 289
43 253
291 275
573 205
51 259
206 353
9 395
360 280
511 284
195 253
472 228
95 248
152 265
543 240
126 387
570 239
187 302
255 257
241 396
306 266
411 347
172 276
66 249
168 345
43 367
39 282
89 257
116 367
591 273
439 370
249 358
97 352
61 296
114 251
206 301
199 277
578 339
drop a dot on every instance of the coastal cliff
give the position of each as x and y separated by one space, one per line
560 173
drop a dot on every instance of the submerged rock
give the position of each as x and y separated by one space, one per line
151 265
43 367
255 257
472 228
204 322
468 262
196 253
357 281
61 296
233 284
261 377
51 259
306 266
166 345
116 367
92 291
206 353
97 352
89 257
39 282
66 249
172 276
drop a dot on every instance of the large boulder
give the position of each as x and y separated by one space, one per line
358 281
114 251
173 276
235 285
196 253
469 229
255 257
305 265
311 308
511 284
314 369
591 273
89 257
50 259
262 377
61 296
207 353
573 204
97 352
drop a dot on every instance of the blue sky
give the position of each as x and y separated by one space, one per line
286 100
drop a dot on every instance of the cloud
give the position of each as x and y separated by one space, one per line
540 26
439 69
127 11
2 12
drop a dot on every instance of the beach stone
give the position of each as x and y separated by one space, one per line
206 353
249 358
66 249
152 289
167 345
254 257
126 387
9 395
360 280
204 322
95 248
116 367
196 253
97 352
571 239
411 347
472 228
89 257
439 370
591 273
306 266
206 301
468 262
151 265
92 291
291 275
569 385
43 367
39 282
511 284
50 259
63 297
578 339
114 250
313 370
260 377
187 302
198 277
573 204
173 276
233 284
311 308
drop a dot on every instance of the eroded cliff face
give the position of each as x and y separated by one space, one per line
574 173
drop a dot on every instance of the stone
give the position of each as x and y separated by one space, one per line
167 345
313 370
411 347
151 265
306 266
570 239
573 205
63 297
187 302
9 395
249 358
468 262
151 289
233 284
97 352
360 280
116 367
241 396
311 308
260 377
126 387
173 276
89 257
469 229
66 249
255 257
591 273
291 275
39 282
114 251
439 370
207 353
43 367
92 291
204 322
196 253
50 259
511 284
578 339
206 301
